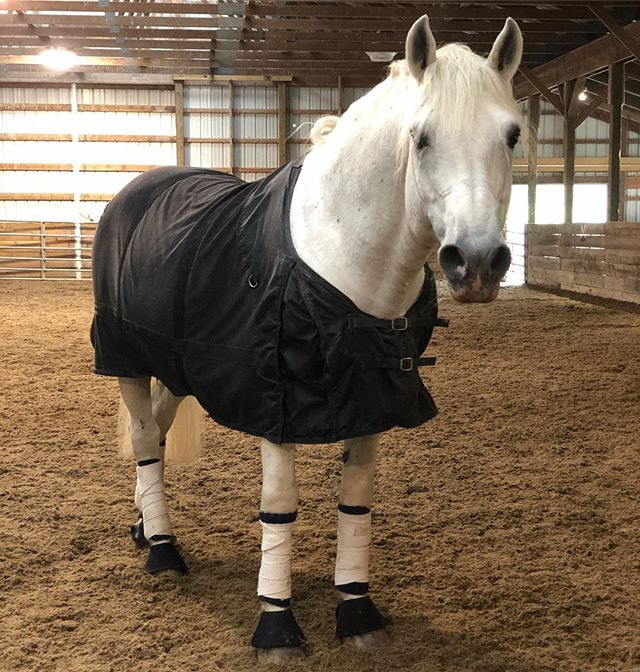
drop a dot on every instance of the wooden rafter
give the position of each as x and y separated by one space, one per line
553 98
616 30
315 42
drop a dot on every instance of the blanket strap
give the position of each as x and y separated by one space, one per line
402 364
397 324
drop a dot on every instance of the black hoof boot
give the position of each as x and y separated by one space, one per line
137 534
277 629
163 557
357 617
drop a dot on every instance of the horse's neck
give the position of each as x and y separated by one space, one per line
348 216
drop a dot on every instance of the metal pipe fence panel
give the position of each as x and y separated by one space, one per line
39 250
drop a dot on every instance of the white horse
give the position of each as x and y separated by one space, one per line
421 162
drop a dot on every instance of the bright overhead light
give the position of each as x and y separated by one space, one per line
583 95
381 56
58 59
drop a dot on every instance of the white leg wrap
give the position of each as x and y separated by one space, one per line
138 495
153 504
354 536
274 579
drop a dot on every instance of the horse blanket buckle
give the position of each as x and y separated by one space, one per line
406 364
399 324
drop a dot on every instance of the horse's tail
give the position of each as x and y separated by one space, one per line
323 127
184 438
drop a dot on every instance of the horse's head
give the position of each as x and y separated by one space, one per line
462 126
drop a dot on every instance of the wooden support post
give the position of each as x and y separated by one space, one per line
624 151
231 143
282 123
339 95
179 107
568 178
616 100
533 120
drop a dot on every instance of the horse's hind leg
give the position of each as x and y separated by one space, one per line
146 437
164 406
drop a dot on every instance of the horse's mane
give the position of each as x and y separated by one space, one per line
449 92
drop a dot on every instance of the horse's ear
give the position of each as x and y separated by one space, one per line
420 47
506 52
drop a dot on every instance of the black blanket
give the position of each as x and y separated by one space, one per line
197 283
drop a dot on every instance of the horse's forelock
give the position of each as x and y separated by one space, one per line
454 86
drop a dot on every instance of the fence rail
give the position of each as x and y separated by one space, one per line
40 250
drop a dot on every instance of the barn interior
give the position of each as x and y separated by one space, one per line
507 532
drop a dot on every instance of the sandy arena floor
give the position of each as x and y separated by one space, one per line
506 531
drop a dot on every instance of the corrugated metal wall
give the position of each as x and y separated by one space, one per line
97 147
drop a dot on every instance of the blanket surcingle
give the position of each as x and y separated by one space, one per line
197 283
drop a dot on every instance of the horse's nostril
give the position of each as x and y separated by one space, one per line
500 261
452 260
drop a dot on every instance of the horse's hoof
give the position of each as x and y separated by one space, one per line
377 639
278 637
357 618
165 558
280 656
137 534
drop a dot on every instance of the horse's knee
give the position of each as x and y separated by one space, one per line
279 497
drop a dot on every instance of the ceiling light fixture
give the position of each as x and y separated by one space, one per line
58 59
381 56
583 95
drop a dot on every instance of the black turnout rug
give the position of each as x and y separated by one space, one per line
197 283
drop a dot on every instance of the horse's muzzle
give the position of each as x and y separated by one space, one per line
474 277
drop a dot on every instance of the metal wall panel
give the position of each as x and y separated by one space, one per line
35 122
208 155
50 211
125 123
247 97
12 151
98 96
323 98
251 160
206 125
148 153
211 97
632 207
212 125
20 94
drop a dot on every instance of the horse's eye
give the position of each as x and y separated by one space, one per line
514 136
420 139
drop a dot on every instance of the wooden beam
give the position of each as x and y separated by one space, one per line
538 84
282 123
231 134
444 11
624 151
569 156
581 61
574 103
179 116
589 109
583 164
616 29
616 99
533 121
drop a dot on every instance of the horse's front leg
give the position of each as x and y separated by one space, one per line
357 618
277 636
146 438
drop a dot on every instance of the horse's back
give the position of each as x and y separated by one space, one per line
143 219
